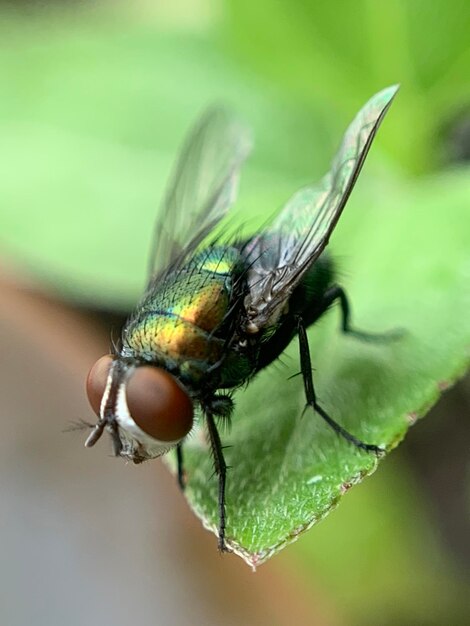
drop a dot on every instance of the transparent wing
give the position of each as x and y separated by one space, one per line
201 190
284 251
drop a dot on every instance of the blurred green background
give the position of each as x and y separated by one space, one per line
95 99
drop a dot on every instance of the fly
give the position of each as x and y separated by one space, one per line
214 315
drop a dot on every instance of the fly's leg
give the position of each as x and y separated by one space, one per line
98 429
337 293
306 367
221 470
179 460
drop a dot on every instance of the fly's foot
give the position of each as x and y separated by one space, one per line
222 546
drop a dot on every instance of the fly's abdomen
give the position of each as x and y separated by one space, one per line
177 325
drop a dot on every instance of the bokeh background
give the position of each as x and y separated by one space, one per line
95 98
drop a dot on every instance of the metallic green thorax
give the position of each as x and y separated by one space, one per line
177 326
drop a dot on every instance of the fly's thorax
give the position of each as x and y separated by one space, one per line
178 324
302 300
218 260
173 342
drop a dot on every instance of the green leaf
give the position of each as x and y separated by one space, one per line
408 266
385 526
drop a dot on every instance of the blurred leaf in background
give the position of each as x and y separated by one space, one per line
334 52
95 101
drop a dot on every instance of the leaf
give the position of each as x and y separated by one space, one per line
410 261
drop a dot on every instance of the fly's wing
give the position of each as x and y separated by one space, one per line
201 190
279 257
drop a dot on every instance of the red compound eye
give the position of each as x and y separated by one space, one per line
156 402
158 405
96 381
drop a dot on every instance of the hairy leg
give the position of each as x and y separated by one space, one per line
306 367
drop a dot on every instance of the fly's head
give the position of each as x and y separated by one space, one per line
143 407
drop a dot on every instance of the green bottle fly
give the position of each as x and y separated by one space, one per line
217 312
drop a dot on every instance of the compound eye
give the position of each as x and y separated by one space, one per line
96 382
158 404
